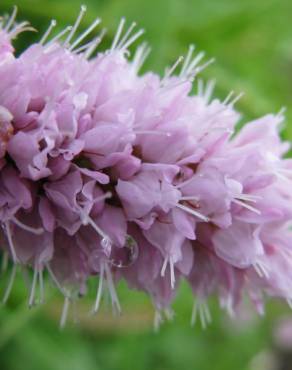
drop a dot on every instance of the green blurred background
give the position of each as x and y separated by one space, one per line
252 43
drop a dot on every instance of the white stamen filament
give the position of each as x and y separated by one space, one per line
187 60
193 212
10 284
200 87
206 95
170 71
140 56
65 312
10 242
42 289
86 219
99 289
248 197
126 35
58 37
201 308
261 269
158 320
199 69
118 33
281 112
247 206
76 25
21 27
105 196
11 20
193 64
289 301
54 279
227 304
228 97
112 290
132 39
95 44
36 231
235 100
169 260
84 47
85 33
31 300
49 30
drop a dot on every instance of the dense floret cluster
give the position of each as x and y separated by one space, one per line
108 173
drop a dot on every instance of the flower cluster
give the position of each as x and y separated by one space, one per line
108 173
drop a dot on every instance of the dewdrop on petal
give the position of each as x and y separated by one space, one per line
111 175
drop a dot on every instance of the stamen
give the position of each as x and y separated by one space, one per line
193 64
235 100
22 27
168 313
281 112
140 56
65 312
172 84
163 269
54 279
86 219
206 95
36 231
172 275
42 289
261 269
249 197
170 71
247 206
49 30
105 196
112 290
193 212
11 20
95 44
132 39
126 35
227 304
85 33
201 308
228 97
118 33
158 320
76 25
10 284
169 260
203 66
187 60
58 37
31 301
200 87
100 289
10 242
